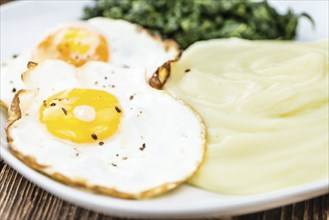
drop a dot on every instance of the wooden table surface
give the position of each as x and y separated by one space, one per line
21 199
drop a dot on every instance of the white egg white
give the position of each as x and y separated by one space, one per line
10 77
159 144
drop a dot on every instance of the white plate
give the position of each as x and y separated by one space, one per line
22 24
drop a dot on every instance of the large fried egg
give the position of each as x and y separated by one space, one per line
104 129
117 42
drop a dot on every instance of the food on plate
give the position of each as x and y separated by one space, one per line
103 128
117 42
265 104
82 110
75 44
187 21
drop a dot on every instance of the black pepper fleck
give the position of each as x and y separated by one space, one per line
117 155
76 152
94 136
15 55
105 77
117 109
142 147
113 164
53 104
101 143
131 97
187 70
64 110
125 66
13 90
44 103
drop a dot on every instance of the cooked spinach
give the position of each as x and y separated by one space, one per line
188 21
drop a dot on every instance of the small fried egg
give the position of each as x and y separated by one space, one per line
75 44
103 128
117 42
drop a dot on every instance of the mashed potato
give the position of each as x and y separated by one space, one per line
265 104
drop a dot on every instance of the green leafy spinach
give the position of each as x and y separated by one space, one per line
187 21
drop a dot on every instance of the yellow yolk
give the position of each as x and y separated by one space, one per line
81 115
74 45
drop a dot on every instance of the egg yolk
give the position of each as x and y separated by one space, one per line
75 45
81 115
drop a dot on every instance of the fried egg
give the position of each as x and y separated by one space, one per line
76 44
103 128
117 42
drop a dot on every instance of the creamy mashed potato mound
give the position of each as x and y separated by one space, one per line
265 104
